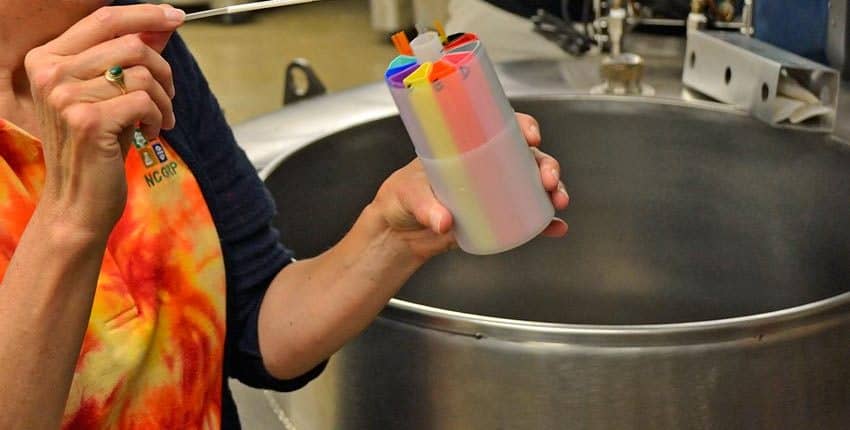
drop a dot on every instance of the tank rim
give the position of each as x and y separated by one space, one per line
753 327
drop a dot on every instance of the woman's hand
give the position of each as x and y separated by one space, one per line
86 123
411 211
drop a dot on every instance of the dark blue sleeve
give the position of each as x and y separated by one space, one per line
242 210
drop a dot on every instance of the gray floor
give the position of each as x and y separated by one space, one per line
256 411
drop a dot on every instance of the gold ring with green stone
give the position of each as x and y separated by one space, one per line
115 75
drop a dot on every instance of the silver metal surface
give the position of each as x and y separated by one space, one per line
704 283
621 75
837 37
743 71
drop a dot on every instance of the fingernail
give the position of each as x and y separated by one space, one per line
554 173
563 190
436 218
174 14
173 120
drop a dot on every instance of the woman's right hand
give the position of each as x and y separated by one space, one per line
86 122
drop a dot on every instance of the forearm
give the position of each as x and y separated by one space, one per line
45 301
314 306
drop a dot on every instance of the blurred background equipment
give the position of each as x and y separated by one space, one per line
393 15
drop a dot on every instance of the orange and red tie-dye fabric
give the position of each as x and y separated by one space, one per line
152 355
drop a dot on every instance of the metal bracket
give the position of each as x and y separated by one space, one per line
745 72
293 90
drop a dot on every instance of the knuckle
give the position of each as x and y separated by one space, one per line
61 96
135 47
142 99
33 58
45 76
103 14
143 77
83 119
145 104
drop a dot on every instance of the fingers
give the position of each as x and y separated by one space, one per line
419 200
124 112
530 129
560 198
126 51
156 39
99 89
550 173
557 228
427 209
108 23
136 79
550 169
114 118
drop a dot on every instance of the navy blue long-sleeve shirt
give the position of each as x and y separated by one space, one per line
242 210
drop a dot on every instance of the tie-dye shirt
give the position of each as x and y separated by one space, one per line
185 269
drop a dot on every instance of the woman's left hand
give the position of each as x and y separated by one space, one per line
411 212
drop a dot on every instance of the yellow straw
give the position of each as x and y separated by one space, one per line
428 112
441 31
442 145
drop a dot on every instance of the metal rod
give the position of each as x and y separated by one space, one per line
747 18
244 8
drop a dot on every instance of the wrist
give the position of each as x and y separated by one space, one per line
393 244
58 223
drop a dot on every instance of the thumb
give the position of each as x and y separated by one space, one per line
440 219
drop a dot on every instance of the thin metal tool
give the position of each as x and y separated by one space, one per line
244 8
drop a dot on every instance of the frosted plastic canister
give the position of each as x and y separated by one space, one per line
468 139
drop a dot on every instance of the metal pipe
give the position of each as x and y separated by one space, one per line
747 18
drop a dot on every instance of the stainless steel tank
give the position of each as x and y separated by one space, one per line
705 282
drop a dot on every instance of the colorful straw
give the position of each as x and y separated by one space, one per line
402 44
441 31
442 145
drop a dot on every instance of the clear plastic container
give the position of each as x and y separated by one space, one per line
467 137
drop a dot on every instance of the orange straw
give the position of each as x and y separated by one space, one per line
401 43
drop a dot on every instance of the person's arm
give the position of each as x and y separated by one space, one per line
45 302
48 287
316 305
